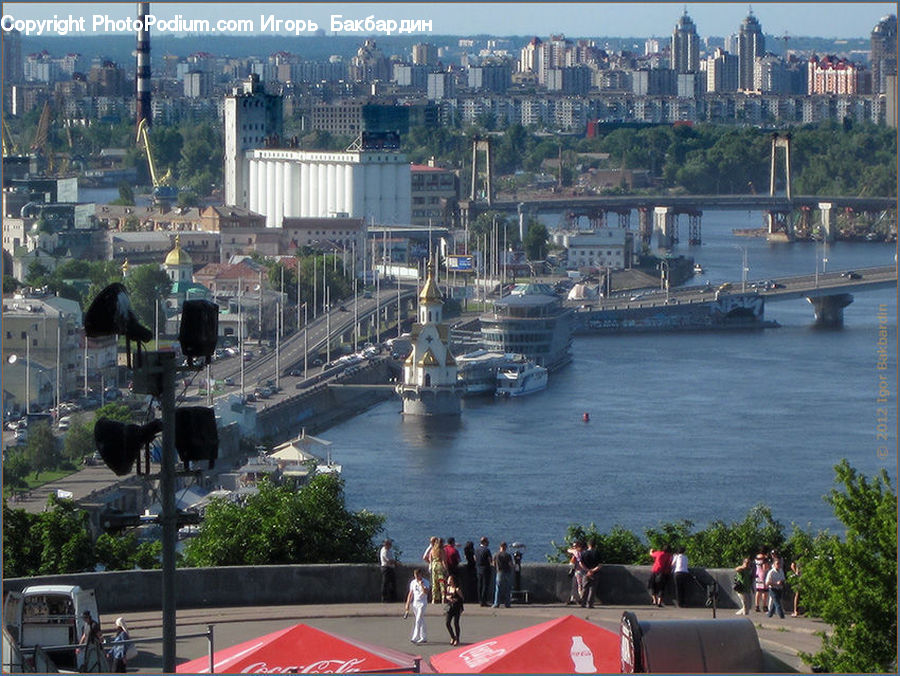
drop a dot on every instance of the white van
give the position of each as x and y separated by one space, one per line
49 615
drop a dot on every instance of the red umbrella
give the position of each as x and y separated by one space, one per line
302 649
562 646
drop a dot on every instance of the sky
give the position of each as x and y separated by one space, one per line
636 19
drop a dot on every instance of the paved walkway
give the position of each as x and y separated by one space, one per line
382 624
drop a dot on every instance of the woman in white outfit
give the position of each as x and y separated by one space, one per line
418 597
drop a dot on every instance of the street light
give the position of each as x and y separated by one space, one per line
745 268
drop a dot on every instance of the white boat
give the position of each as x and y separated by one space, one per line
478 371
520 377
698 269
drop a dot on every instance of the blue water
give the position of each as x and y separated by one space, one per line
682 426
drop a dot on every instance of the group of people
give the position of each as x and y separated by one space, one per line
584 564
666 566
92 635
485 577
761 581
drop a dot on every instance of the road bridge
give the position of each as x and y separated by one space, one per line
828 292
658 214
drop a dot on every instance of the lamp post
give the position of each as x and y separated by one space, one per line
745 268
327 310
305 340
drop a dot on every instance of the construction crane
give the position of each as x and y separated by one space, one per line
9 146
162 191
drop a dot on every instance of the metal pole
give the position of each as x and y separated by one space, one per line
398 307
209 628
315 285
27 374
327 310
241 332
156 322
355 315
297 258
259 309
58 361
305 340
278 344
169 525
85 365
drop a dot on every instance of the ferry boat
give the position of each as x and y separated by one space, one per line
478 371
698 269
519 377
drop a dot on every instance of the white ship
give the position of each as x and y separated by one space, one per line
520 377
478 371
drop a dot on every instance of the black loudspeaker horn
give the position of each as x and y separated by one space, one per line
199 329
119 443
111 314
196 436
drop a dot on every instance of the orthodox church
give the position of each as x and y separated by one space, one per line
430 385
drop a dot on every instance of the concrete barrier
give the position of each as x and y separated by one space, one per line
349 583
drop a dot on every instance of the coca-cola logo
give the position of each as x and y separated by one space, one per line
320 667
481 654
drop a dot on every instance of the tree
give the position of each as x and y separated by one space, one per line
147 285
280 525
852 583
536 241
126 195
79 442
10 284
114 411
41 449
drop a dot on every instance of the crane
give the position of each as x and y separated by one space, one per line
9 146
162 191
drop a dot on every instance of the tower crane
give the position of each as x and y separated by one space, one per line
162 190
9 146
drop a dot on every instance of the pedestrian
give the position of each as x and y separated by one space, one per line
483 569
451 553
470 585
503 568
388 571
577 573
90 636
453 597
795 585
590 558
659 574
775 585
437 564
120 647
418 599
682 574
761 568
743 585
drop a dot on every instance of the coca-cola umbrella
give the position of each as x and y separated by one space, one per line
562 646
305 650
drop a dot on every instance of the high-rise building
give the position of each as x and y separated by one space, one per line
721 72
685 46
251 117
424 54
884 53
751 44
12 56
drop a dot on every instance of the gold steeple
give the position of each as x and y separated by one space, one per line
430 292
178 256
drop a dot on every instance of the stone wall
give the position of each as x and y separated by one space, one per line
347 583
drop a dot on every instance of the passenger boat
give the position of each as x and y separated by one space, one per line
478 371
519 377
698 269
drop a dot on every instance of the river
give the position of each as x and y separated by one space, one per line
699 426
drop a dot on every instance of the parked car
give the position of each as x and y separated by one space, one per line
229 381
850 274
64 423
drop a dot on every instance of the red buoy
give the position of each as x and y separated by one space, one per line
586 417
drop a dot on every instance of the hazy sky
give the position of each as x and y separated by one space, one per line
636 19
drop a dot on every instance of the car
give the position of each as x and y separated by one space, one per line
850 274
295 372
64 423
21 433
248 356
367 294
229 381
342 308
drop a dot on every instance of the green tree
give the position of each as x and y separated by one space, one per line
147 285
281 525
536 241
126 195
15 469
125 552
78 442
10 284
41 449
114 411
21 553
852 583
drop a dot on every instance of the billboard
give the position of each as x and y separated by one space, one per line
460 263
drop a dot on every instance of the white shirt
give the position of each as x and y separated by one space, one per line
680 563
774 577
386 556
419 589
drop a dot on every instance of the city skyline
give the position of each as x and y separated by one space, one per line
840 20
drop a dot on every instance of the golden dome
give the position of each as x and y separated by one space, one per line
178 256
430 291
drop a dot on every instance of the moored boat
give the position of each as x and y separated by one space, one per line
519 377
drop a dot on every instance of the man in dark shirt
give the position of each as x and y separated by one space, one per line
590 559
484 560
452 558
503 565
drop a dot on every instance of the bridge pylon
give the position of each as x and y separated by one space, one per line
482 144
781 141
